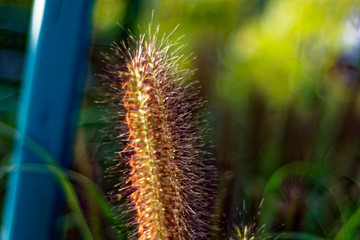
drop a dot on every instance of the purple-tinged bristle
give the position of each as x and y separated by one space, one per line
169 180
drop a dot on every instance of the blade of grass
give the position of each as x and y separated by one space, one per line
279 176
61 177
350 226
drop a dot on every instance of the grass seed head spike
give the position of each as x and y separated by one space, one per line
170 177
250 230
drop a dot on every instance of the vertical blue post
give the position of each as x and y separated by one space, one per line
57 52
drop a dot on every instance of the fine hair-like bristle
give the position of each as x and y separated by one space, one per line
170 176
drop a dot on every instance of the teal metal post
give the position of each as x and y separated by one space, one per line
51 89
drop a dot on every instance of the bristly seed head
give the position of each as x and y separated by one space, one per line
250 230
170 180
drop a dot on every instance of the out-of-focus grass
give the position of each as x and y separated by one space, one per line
285 52
50 166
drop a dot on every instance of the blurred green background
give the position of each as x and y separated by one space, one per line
281 78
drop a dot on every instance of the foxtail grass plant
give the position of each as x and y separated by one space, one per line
170 175
249 230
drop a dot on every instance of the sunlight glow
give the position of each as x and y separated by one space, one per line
37 17
351 35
